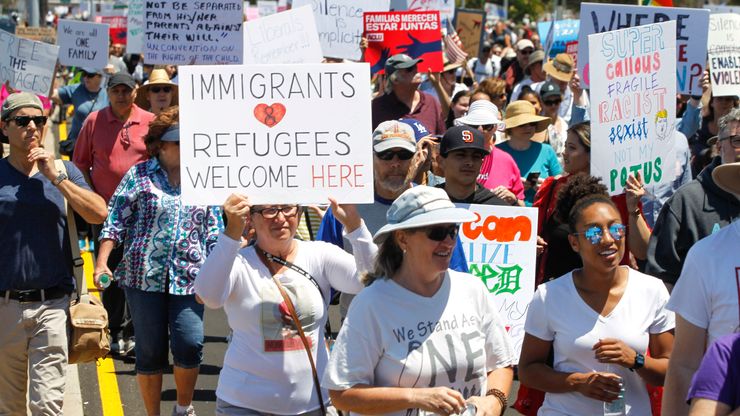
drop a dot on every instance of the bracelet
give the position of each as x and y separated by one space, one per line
636 212
501 396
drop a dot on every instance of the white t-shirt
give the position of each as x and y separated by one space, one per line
707 291
557 313
393 337
490 69
265 367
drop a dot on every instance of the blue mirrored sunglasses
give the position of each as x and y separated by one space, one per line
595 233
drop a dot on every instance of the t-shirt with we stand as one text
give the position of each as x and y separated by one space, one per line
451 339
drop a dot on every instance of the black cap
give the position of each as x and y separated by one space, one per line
122 78
462 137
549 89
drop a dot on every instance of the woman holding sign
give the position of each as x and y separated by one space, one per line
421 338
600 320
276 294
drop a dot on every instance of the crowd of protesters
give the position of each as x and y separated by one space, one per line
633 292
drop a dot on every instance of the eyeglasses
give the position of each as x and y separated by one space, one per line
89 75
23 121
157 90
552 102
595 233
734 140
125 138
272 212
440 232
388 155
484 127
526 51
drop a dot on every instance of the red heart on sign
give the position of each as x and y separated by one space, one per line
269 115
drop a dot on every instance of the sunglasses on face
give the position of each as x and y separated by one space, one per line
272 212
23 121
526 51
89 75
484 127
595 233
157 90
389 154
553 102
440 232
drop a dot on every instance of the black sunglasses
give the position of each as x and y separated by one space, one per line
440 232
485 127
90 75
553 102
388 154
272 212
156 90
23 121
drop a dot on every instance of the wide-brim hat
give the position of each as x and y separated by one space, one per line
421 206
448 65
534 57
560 68
522 112
727 177
481 113
157 77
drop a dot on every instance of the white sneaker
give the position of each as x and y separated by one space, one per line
116 347
128 347
190 411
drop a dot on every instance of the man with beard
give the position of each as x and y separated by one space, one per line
402 98
394 147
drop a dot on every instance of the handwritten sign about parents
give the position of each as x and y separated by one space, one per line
501 249
135 26
288 37
691 36
270 142
188 32
633 111
724 53
26 64
416 34
340 24
83 44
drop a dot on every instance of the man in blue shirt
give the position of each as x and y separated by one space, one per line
36 265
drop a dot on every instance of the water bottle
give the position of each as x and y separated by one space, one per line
104 280
616 407
470 410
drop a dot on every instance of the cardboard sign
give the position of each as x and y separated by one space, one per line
557 35
633 109
39 34
416 34
289 37
501 249
340 24
83 44
276 133
135 27
267 7
469 27
189 32
26 64
446 8
691 36
117 28
724 54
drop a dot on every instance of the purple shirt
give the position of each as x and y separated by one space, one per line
718 376
428 112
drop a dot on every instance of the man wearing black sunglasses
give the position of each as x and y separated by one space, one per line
36 274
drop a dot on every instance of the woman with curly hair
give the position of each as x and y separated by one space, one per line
600 320
165 244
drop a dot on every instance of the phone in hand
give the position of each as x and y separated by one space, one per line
533 177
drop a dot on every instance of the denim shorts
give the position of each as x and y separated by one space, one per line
154 314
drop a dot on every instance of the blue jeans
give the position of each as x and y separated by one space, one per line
154 314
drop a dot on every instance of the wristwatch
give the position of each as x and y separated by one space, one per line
639 362
60 178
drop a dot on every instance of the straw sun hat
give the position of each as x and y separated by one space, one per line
158 77
522 112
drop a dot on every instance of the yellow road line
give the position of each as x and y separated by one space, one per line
110 397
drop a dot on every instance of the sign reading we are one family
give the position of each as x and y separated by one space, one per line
633 110
501 249
255 129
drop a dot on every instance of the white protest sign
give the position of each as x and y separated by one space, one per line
633 109
691 36
289 37
83 44
267 7
340 24
190 32
724 53
446 8
135 27
26 64
501 249
276 133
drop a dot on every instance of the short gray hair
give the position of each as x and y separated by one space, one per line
389 81
733 115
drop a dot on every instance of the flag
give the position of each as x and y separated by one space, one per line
453 45
663 3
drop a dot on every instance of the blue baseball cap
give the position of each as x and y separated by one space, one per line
419 130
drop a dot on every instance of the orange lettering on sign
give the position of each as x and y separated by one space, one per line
502 229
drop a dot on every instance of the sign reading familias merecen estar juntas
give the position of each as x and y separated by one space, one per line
189 32
276 133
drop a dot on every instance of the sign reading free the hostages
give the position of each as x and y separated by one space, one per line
276 133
